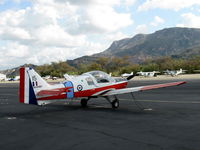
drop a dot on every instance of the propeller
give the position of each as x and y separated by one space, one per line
130 77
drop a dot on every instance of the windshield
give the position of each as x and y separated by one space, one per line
101 77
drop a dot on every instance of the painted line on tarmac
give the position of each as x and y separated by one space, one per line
11 118
164 101
153 101
8 94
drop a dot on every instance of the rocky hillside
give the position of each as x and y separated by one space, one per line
166 42
175 42
15 71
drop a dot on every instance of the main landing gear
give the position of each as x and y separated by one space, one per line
114 103
84 102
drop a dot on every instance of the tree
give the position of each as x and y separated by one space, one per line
55 69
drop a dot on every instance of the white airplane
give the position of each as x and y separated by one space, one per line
125 75
174 72
33 89
148 74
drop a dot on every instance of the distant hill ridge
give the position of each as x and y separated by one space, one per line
15 71
176 42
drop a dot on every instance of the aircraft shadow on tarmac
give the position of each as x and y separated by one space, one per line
72 108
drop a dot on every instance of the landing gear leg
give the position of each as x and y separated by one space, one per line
114 103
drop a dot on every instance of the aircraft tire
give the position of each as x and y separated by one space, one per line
84 102
115 104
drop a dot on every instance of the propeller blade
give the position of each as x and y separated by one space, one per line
130 77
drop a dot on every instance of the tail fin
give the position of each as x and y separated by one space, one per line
30 83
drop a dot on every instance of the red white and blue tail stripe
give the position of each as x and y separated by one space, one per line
30 84
26 91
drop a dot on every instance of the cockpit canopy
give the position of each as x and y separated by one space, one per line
101 77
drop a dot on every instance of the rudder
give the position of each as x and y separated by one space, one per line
26 92
30 84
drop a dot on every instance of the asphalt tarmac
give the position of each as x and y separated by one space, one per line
171 121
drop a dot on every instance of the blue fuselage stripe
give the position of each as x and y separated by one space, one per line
70 91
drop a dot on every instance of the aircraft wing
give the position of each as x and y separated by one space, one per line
141 88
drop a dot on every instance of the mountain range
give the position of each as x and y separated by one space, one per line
174 42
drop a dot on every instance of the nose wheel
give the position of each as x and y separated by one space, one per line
115 103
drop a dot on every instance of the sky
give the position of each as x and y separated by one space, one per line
45 31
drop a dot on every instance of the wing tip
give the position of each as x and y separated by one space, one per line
182 82
155 86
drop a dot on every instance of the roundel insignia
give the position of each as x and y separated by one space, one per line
79 87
